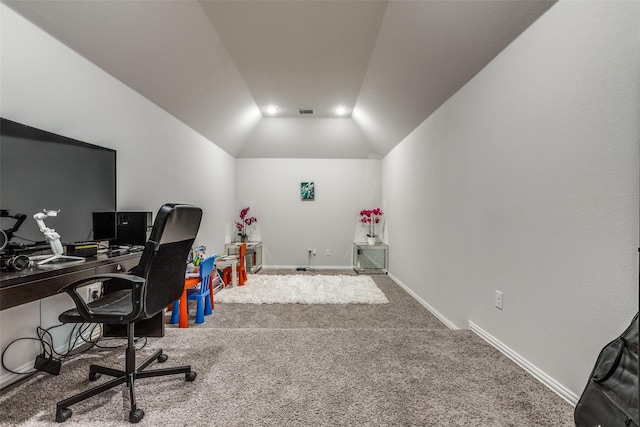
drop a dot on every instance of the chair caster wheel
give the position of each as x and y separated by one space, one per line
136 416
63 415
190 376
94 376
162 358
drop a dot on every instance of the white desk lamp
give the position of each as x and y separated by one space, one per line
52 238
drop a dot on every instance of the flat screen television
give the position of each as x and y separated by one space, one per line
42 170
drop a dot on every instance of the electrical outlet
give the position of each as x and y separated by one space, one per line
314 251
93 292
328 252
499 300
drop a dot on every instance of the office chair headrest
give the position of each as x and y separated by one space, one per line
175 223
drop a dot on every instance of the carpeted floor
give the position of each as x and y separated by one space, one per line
402 312
309 365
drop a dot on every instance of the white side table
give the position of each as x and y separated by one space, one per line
370 259
229 261
253 259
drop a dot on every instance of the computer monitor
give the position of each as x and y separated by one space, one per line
133 228
104 226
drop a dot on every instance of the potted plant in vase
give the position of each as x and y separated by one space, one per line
243 225
369 218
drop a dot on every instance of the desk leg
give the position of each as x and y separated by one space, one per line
184 319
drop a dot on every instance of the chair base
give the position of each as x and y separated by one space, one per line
128 376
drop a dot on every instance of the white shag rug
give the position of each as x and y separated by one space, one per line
304 289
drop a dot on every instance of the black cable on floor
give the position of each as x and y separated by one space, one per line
48 349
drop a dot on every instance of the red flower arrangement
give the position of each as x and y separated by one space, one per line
371 217
244 222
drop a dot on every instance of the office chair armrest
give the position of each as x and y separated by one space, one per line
81 305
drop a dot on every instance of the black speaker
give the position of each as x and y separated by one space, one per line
133 228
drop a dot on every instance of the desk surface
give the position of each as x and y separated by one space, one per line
34 283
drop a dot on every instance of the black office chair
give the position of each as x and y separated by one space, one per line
156 282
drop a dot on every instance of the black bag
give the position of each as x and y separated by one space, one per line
611 396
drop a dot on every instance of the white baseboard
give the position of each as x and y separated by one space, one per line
426 305
9 378
538 374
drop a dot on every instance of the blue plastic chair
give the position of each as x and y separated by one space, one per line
200 294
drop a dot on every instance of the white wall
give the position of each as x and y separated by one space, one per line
46 85
289 226
526 181
327 138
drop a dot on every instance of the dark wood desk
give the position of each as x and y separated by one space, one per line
32 284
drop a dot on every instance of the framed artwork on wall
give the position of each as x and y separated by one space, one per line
307 190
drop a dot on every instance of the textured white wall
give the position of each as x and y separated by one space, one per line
288 226
46 85
526 181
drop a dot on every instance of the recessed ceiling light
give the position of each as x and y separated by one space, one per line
272 109
341 111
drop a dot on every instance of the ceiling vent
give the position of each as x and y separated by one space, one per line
305 111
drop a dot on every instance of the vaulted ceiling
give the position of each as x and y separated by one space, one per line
217 65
